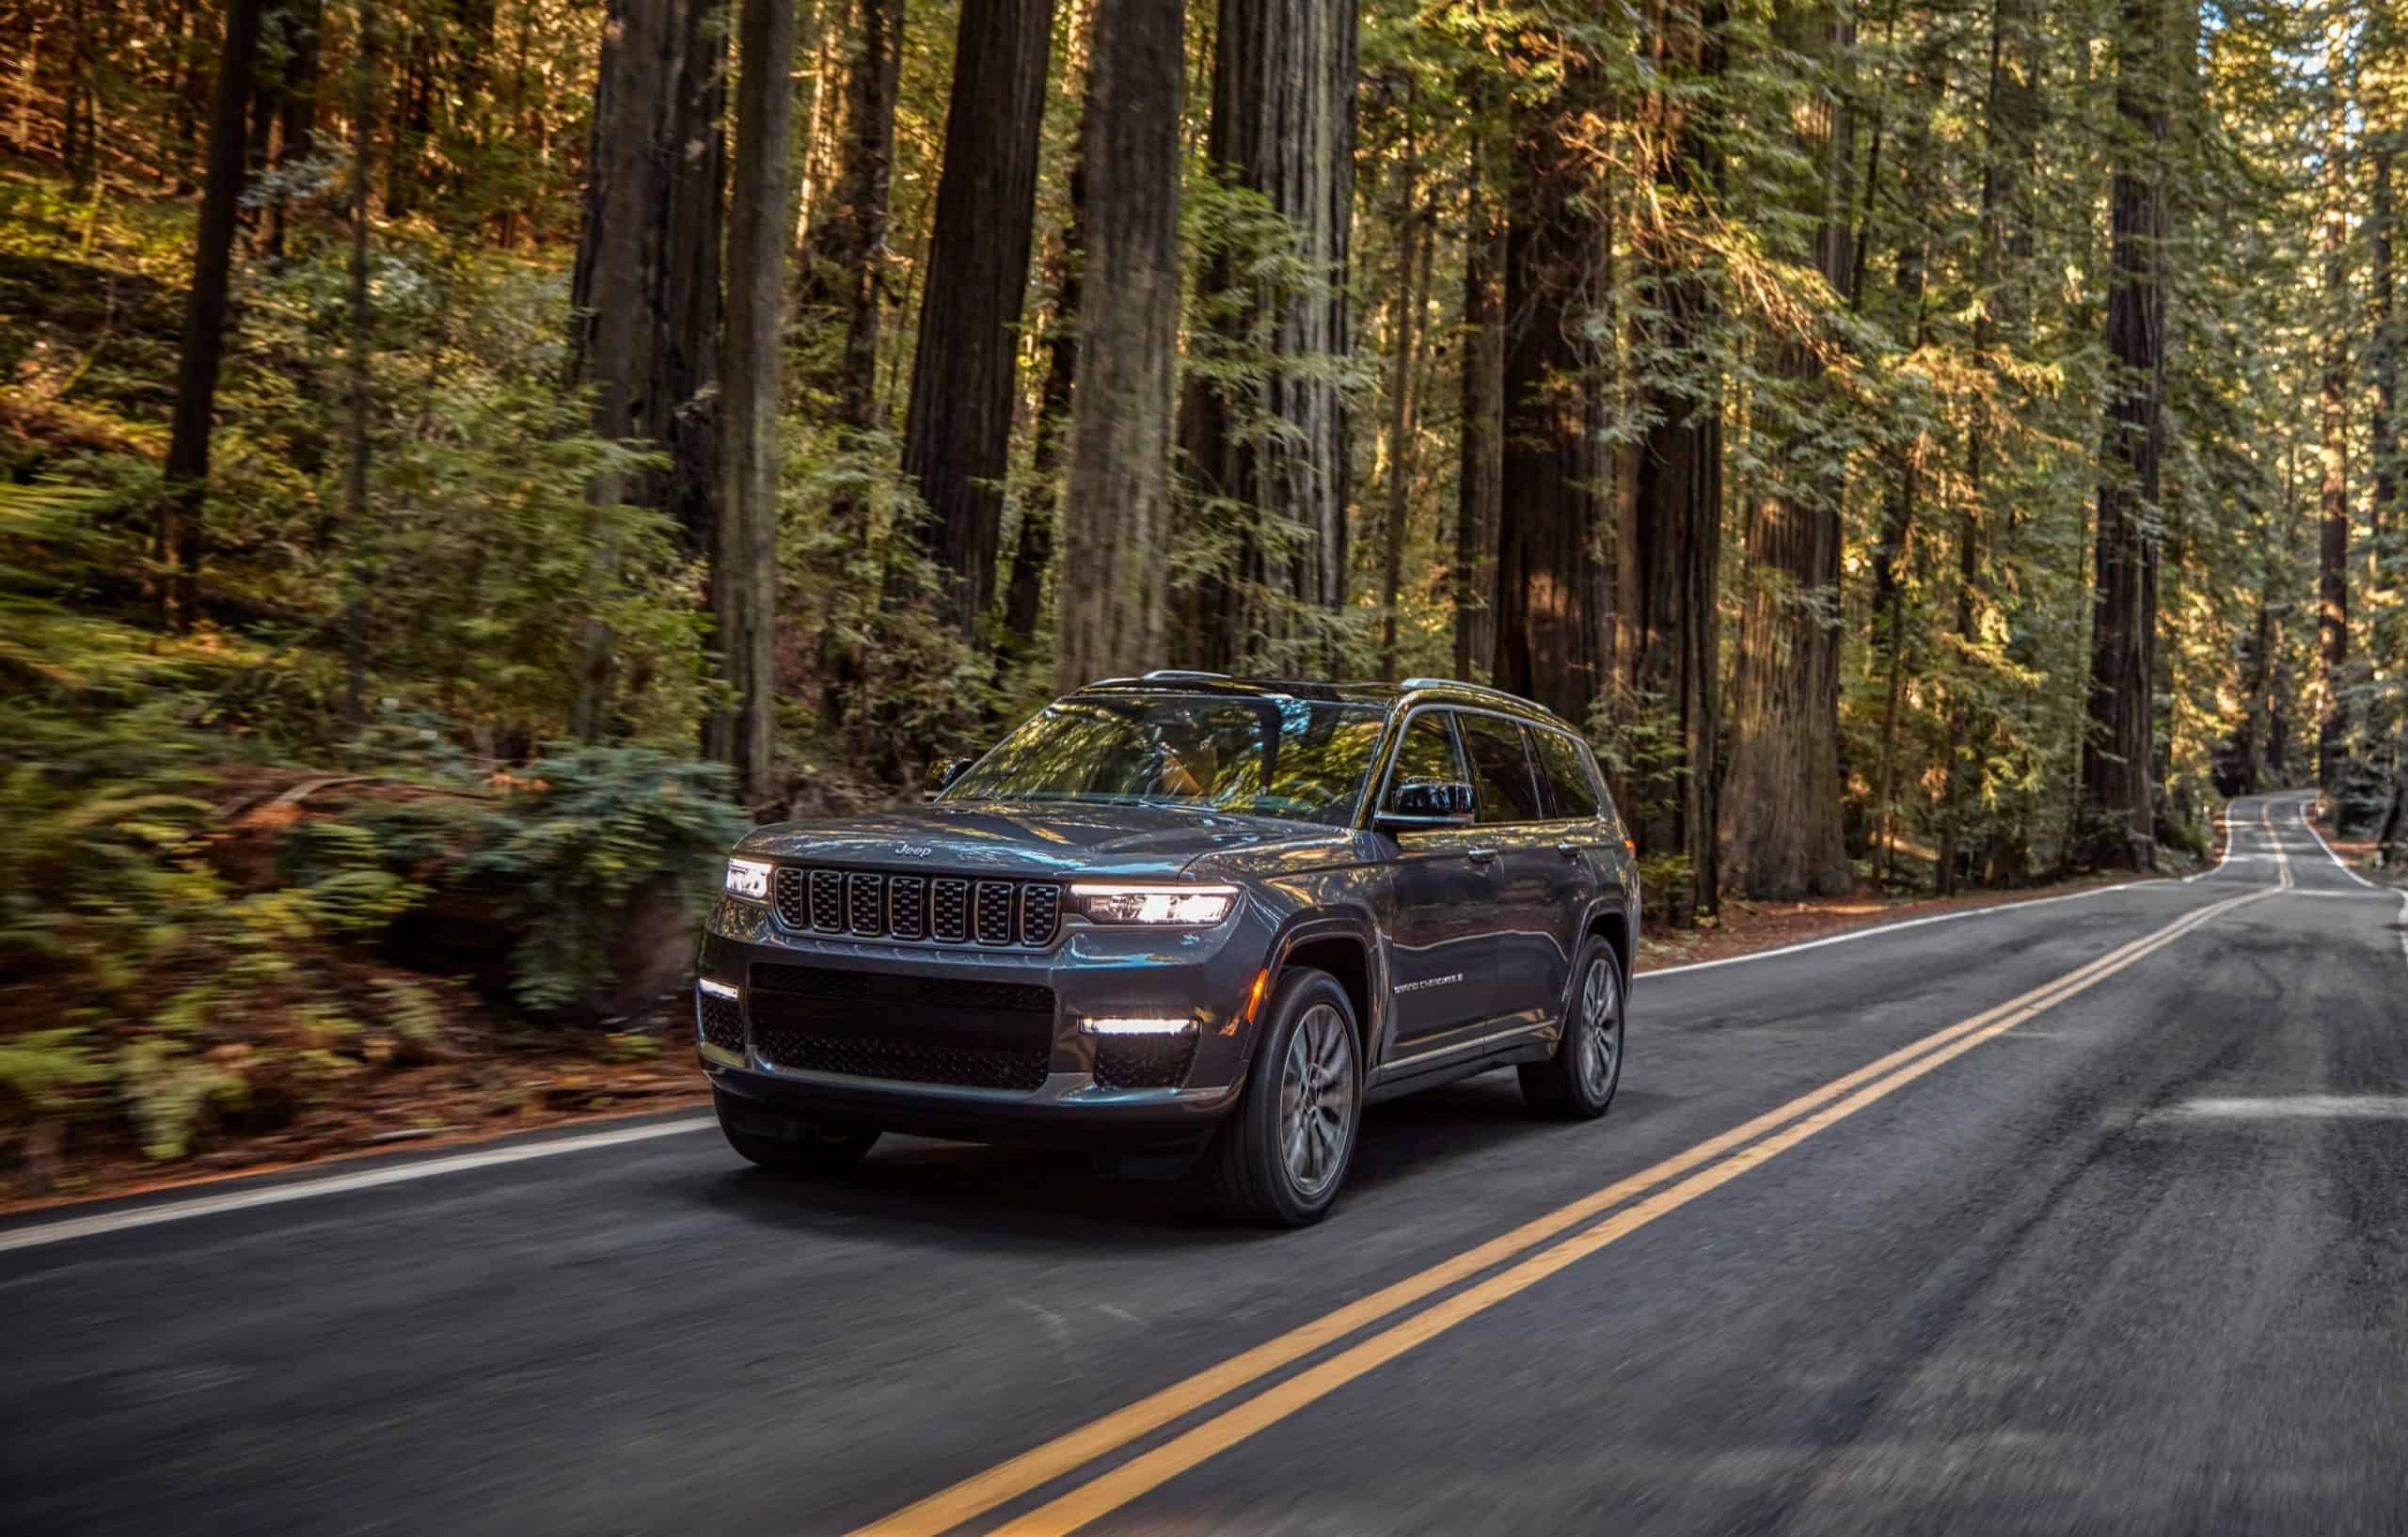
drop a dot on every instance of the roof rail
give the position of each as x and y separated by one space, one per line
1469 688
1161 672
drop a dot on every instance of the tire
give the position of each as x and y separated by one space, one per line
1279 1158
791 1146
1577 1083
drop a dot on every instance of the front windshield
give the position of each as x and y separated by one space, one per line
1267 756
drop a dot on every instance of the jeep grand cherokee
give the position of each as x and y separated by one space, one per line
1183 913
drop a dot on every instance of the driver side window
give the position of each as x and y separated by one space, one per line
1428 751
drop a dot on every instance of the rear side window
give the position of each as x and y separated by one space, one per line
1571 787
1428 751
1500 769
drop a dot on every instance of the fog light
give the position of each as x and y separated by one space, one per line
715 989
1130 1024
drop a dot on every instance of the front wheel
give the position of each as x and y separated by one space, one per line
793 1146
1578 1081
1281 1155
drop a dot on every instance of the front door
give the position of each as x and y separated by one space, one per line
1440 897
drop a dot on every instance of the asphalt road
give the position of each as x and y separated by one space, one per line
2104 1228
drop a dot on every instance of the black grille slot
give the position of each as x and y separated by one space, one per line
995 912
953 910
1040 909
827 899
906 905
789 890
865 903
965 1031
1146 1061
949 909
719 1022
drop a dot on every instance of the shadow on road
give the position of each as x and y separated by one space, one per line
954 1196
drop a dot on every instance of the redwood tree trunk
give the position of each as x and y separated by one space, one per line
1116 518
1480 486
744 553
1781 836
836 280
186 488
958 431
1032 553
1274 456
1675 544
2332 529
2117 799
1552 605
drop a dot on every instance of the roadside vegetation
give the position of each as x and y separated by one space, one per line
462 464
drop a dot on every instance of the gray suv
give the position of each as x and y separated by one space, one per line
1183 915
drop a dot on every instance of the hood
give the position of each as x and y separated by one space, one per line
1025 839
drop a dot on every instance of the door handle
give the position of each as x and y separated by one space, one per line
1480 856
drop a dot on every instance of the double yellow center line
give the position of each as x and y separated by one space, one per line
1674 1183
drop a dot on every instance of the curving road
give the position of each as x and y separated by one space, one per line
2086 1214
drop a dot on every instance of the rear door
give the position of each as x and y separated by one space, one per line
1438 961
1577 829
1514 844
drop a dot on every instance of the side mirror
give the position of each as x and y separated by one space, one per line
942 774
1426 803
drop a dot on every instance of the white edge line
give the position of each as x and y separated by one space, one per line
2328 848
144 1216
1891 929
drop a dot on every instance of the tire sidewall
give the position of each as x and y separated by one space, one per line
1297 995
1575 1025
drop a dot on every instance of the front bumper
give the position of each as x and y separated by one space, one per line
752 1055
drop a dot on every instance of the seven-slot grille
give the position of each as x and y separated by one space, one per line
951 910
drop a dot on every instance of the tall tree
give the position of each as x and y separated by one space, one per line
837 277
1672 555
1116 518
1552 609
1272 449
744 551
1781 804
1480 479
2117 804
958 433
2333 529
610 290
185 492
1414 239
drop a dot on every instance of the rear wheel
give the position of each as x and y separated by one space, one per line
1578 1081
796 1147
1282 1154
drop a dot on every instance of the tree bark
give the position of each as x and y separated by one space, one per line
354 498
744 553
1115 518
1033 552
1410 237
185 493
1781 836
2332 529
680 407
1553 607
1675 550
2118 803
957 433
610 292
1480 485
1274 452
837 277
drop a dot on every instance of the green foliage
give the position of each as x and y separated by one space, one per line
602 827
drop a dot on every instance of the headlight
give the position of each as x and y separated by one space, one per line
1195 906
749 879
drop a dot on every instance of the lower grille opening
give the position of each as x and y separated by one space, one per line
1147 1061
967 1032
719 1022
